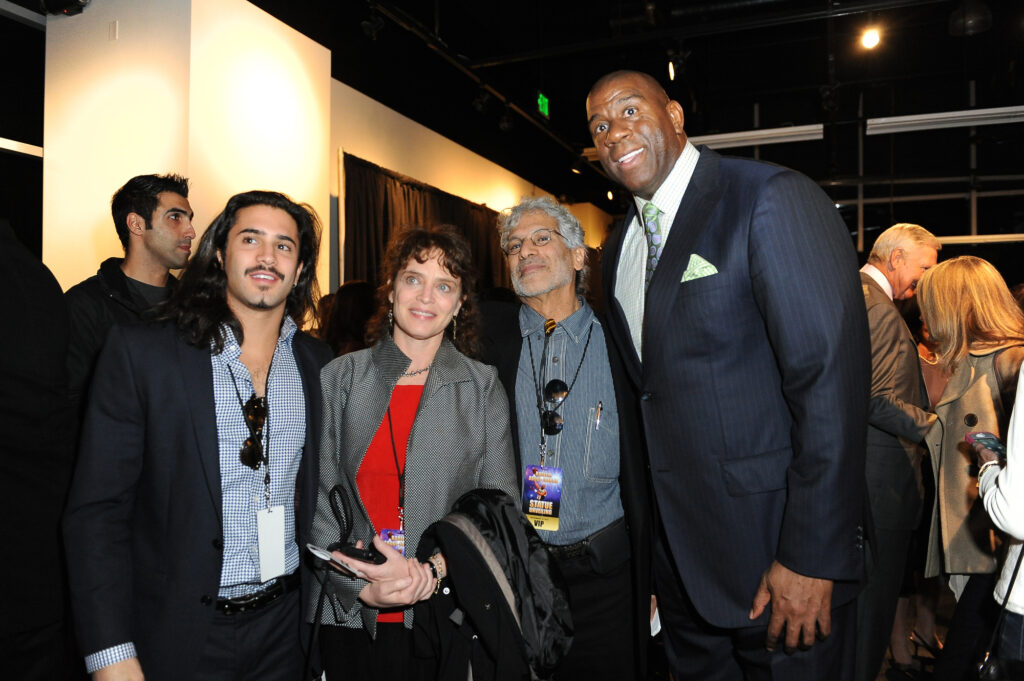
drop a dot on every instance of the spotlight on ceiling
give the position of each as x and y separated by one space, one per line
677 62
68 7
505 122
372 26
870 38
611 196
482 99
971 17
578 165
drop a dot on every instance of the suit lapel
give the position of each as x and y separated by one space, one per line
617 325
197 375
692 219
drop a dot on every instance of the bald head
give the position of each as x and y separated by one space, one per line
652 84
637 130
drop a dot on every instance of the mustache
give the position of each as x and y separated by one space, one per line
267 270
532 260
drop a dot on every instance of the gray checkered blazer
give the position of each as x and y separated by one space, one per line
460 441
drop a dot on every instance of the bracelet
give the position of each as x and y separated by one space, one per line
435 566
985 466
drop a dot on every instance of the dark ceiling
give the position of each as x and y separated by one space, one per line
787 62
794 62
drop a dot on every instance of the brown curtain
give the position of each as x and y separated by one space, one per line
378 201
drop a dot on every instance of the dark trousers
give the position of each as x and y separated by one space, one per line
876 604
264 644
602 617
349 653
969 630
699 651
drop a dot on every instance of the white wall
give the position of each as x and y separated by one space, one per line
116 106
217 90
259 100
225 94
365 128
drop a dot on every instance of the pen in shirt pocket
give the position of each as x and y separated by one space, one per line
597 417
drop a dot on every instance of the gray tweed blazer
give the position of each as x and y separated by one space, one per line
460 440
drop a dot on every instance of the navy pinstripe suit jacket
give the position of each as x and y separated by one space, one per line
754 385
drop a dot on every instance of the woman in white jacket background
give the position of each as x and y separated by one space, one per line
1001 484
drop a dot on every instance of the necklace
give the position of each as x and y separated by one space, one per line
418 371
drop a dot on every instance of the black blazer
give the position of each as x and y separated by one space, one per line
143 523
503 342
754 385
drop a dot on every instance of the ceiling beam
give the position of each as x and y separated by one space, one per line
22 15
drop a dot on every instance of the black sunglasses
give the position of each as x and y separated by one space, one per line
255 411
555 393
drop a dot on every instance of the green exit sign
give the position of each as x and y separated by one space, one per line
542 104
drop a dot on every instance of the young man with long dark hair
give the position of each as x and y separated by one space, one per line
195 481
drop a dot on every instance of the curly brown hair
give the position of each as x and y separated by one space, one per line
455 256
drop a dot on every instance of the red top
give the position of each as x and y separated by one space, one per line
377 478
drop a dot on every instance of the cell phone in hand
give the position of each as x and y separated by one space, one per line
325 555
368 555
988 441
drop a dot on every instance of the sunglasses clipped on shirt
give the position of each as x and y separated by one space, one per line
255 411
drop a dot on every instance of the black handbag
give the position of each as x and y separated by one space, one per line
993 668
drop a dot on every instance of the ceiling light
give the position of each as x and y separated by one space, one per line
372 27
69 7
671 70
505 122
970 18
611 197
870 38
481 100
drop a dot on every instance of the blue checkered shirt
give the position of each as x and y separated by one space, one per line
587 454
242 488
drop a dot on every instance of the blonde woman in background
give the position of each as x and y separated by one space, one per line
979 330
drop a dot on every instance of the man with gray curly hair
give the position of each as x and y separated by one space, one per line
576 438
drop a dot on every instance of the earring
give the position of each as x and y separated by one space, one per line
391 320
455 327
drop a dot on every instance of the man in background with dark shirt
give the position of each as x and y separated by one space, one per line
153 220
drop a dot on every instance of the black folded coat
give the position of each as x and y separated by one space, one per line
503 609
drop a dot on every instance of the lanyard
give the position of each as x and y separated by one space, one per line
549 328
401 475
266 422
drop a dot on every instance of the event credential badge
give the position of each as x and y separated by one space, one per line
542 495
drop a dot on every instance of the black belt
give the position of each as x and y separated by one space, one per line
259 599
611 536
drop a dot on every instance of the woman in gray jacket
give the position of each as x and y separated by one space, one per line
410 424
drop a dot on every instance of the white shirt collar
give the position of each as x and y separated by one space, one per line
670 193
879 278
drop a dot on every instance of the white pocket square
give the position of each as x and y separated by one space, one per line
698 267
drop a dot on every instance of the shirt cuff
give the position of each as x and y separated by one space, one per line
109 656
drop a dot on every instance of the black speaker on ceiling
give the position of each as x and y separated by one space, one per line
68 7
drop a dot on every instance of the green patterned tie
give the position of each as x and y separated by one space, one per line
655 240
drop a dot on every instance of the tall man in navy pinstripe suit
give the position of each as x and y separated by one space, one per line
735 303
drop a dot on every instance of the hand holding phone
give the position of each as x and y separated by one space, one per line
368 555
325 555
988 441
